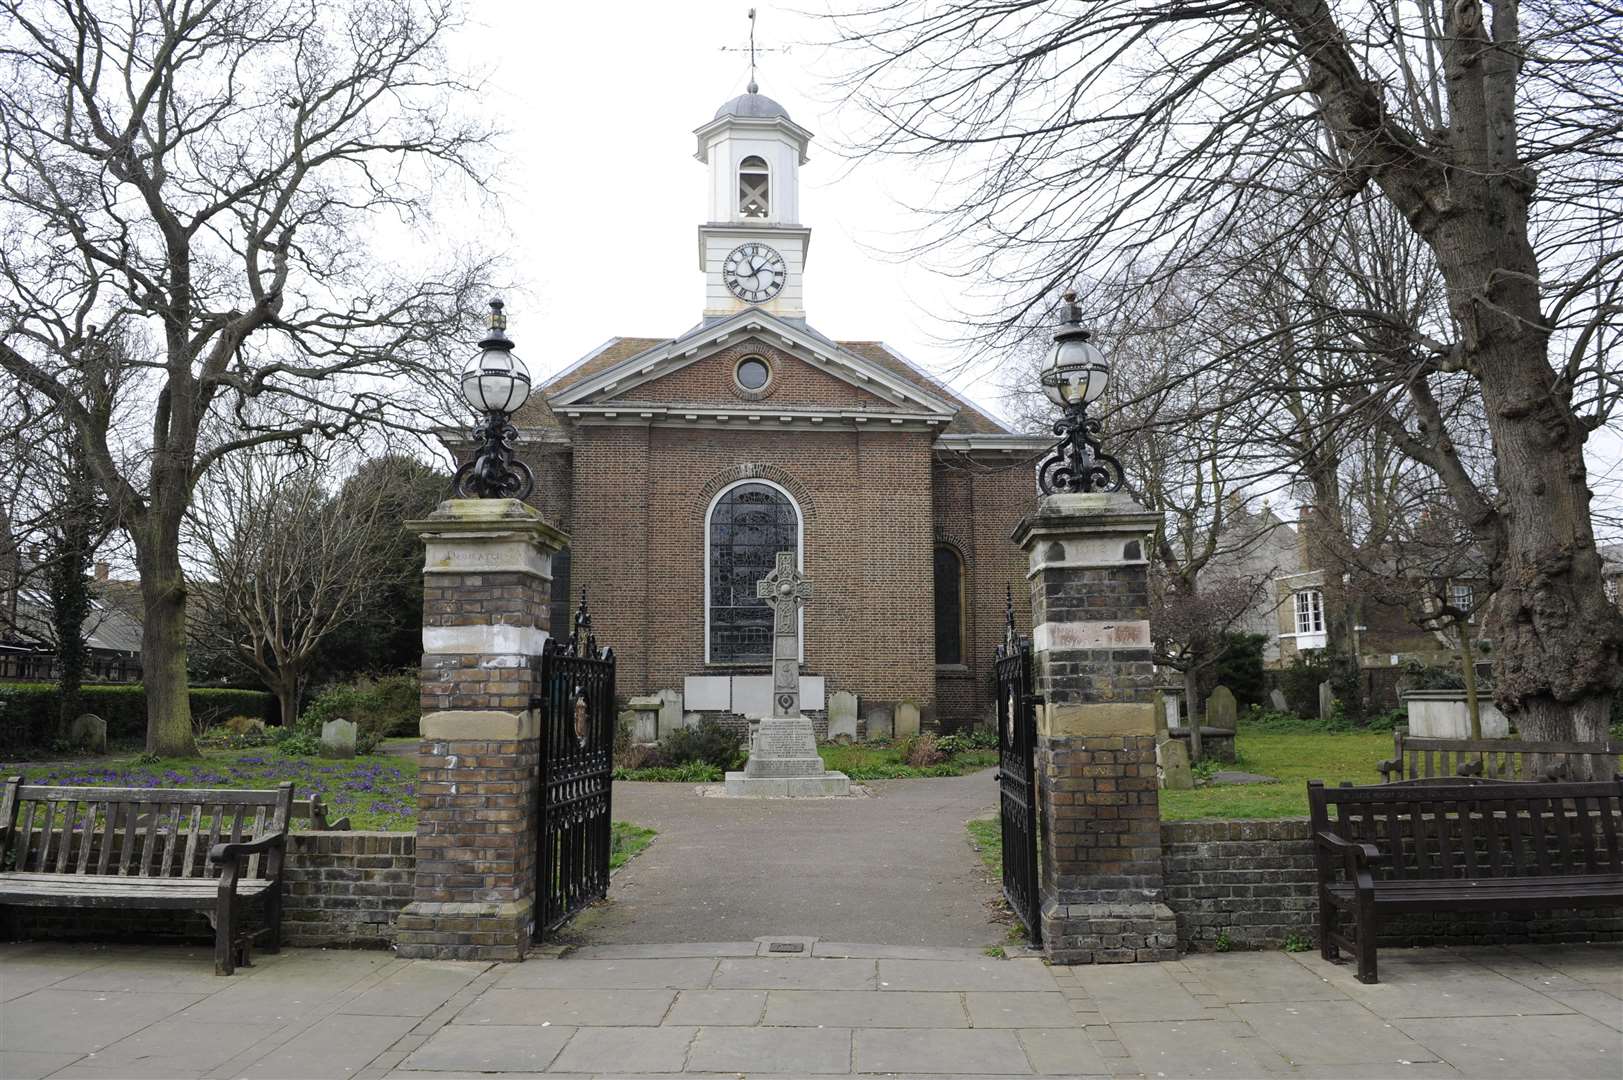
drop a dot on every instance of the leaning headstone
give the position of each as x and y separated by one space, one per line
1221 711
89 732
1276 698
338 739
1327 701
907 719
1172 765
670 711
879 723
1160 702
842 714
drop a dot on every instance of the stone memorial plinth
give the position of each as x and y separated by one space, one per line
784 764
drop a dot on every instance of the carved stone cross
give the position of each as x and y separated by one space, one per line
784 590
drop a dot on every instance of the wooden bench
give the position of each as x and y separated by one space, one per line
212 850
1416 758
1459 845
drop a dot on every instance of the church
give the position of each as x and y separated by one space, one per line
681 466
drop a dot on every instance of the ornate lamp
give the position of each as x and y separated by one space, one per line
1076 375
496 383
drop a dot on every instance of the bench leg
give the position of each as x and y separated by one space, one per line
1329 923
1366 942
273 919
225 936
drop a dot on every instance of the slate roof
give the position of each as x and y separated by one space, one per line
969 420
753 105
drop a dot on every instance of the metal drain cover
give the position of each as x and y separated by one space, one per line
786 946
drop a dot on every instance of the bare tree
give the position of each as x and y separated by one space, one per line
203 179
1121 142
284 562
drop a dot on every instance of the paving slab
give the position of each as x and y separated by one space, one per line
982 973
32 1064
1274 976
1421 986
1019 1009
332 1048
950 1052
863 1009
65 1021
1132 992
489 1048
895 952
1190 1048
1330 1033
177 1047
1595 1004
768 973
569 974
740 1008
578 1008
667 951
1062 1051
1523 967
771 1050
1414 1070
416 989
1549 1047
622 1050
1599 965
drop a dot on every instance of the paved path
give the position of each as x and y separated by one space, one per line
896 867
736 1009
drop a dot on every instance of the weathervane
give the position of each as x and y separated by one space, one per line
754 87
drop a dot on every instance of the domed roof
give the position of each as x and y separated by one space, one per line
753 104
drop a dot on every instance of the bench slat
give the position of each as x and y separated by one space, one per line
225 796
214 837
170 841
259 830
188 862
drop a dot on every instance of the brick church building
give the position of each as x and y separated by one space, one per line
680 466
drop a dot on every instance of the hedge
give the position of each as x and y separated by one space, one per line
28 711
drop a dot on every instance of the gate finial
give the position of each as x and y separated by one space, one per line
582 639
1008 615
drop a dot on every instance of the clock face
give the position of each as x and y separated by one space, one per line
754 272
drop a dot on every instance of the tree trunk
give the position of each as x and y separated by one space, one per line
1192 718
163 638
1473 707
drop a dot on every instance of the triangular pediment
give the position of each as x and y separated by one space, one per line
657 370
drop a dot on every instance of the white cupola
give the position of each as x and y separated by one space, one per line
752 247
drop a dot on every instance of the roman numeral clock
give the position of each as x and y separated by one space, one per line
754 272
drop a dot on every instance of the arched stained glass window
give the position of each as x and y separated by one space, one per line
949 606
749 524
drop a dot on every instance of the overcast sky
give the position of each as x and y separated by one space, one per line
603 197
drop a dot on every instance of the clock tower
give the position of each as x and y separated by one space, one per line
752 247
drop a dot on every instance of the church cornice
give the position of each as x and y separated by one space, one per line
803 345
748 417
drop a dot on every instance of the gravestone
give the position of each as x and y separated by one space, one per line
1276 698
1172 765
783 761
1221 711
842 714
1327 701
670 711
642 723
89 732
907 719
879 723
338 739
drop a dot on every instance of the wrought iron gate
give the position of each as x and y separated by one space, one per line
574 836
1017 778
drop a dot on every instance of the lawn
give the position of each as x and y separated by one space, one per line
1294 758
885 763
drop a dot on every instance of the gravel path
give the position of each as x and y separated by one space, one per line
894 868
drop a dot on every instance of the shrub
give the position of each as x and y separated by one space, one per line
297 742
378 706
920 751
1418 676
951 744
1240 668
1300 684
28 711
237 733
709 743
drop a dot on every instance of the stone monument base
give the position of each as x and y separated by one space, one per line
1119 932
784 764
826 785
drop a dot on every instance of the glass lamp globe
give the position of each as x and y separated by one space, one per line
1077 371
496 380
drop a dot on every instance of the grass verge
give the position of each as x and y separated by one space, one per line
626 842
1294 758
986 837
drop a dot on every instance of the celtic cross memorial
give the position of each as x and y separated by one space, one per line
785 589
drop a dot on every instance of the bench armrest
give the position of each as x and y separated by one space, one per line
1357 855
220 853
1388 767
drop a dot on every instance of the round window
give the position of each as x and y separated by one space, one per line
752 373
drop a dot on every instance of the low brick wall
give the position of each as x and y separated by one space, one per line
1253 881
343 889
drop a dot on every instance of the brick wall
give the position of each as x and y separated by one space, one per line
343 889
639 504
1254 882
710 381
